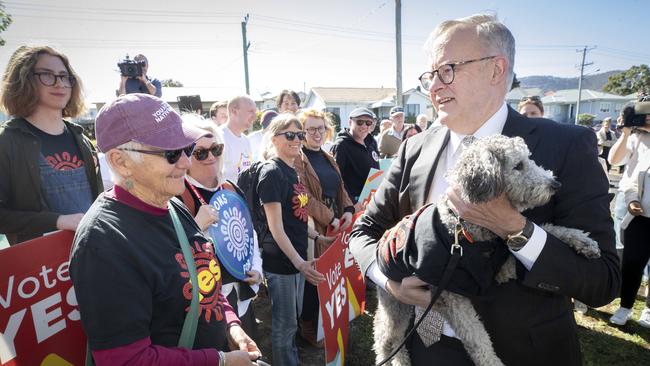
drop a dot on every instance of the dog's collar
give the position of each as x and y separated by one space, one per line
463 227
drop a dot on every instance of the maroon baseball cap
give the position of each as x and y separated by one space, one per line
145 119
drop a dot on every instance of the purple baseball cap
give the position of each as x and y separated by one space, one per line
145 119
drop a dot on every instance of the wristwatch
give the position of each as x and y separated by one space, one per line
517 241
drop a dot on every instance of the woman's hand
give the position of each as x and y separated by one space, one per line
635 208
346 220
69 222
310 273
335 224
206 216
237 358
253 277
243 346
360 206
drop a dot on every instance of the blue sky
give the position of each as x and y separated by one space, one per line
303 44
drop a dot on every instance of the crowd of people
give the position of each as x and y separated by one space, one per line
140 243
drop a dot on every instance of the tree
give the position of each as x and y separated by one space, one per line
586 119
171 83
5 20
635 80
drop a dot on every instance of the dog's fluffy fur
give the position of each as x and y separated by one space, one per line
488 168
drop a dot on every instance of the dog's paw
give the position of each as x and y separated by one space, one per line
576 239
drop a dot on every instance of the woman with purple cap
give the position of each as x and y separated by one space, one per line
49 173
147 280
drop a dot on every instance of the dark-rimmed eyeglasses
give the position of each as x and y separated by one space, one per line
290 135
49 79
361 122
172 156
201 154
312 130
446 72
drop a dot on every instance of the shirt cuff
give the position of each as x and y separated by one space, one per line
528 254
377 276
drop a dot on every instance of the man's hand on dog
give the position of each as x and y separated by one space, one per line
496 215
411 290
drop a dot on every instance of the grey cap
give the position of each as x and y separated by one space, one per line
396 110
358 112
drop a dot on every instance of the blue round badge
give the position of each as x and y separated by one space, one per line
232 234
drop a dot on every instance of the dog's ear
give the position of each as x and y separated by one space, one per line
481 176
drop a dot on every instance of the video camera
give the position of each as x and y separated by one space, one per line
131 68
634 115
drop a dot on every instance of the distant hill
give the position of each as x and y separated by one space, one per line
552 83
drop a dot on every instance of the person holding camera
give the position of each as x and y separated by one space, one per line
633 208
138 82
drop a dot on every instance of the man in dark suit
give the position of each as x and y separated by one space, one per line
530 320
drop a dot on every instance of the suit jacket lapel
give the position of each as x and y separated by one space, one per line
517 125
423 170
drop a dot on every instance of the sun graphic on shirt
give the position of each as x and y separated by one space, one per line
300 200
208 273
64 161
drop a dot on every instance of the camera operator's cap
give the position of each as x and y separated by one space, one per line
396 110
145 119
358 112
267 117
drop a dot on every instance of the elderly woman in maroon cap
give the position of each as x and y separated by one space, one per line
147 280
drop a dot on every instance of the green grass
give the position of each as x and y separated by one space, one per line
602 343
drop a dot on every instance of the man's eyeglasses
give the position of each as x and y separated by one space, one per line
172 156
202 154
49 79
533 98
313 130
290 135
446 72
361 122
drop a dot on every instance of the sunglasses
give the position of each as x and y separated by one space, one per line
172 156
360 122
290 136
202 154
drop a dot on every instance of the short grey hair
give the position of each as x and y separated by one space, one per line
492 34
133 155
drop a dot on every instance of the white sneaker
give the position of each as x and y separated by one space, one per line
580 307
621 316
644 319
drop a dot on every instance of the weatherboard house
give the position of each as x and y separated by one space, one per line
560 106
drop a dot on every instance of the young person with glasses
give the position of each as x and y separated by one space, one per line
356 151
203 179
50 175
329 203
284 253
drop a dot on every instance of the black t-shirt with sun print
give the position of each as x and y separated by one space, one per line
279 183
131 278
60 151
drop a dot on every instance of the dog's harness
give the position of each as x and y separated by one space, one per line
456 252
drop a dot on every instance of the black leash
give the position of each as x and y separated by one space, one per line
456 254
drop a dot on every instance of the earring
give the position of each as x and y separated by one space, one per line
128 184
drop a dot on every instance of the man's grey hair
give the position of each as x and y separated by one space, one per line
492 34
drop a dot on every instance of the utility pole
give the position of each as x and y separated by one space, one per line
582 70
246 47
398 50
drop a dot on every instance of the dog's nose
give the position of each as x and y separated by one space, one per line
555 184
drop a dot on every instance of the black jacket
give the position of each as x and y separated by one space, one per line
354 161
530 320
24 213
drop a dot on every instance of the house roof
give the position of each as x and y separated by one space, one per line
169 95
518 93
569 96
352 95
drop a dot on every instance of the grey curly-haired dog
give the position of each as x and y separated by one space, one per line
485 170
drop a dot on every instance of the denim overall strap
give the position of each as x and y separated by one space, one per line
66 191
